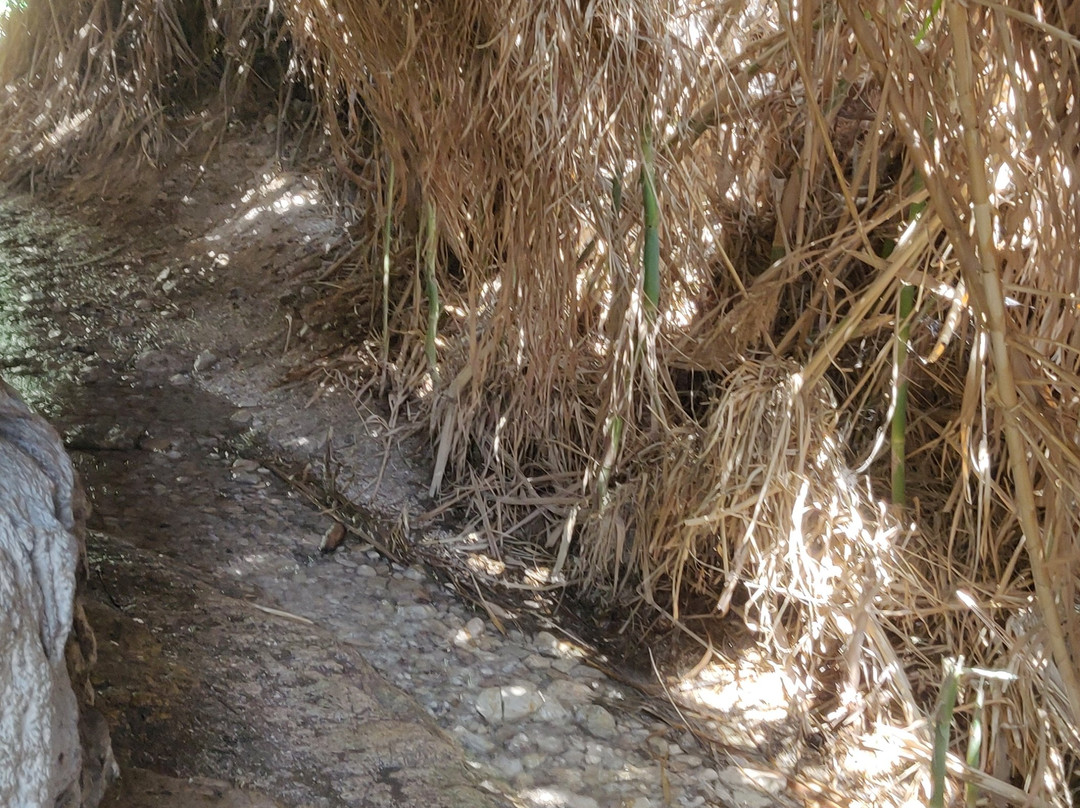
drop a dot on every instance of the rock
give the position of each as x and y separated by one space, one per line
581 801
151 360
594 753
204 361
489 705
475 627
47 644
570 692
551 744
508 766
560 797
520 743
748 797
552 711
534 760
567 665
598 721
347 561
537 662
473 741
508 703
242 416
547 644
520 700
658 746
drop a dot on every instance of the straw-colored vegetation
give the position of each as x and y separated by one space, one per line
653 313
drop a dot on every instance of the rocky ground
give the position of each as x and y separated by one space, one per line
240 665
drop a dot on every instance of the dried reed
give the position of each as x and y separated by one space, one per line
709 423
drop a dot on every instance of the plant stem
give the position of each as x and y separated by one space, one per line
900 394
387 225
651 255
431 287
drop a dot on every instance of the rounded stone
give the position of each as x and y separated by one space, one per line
475 627
489 704
519 700
598 721
547 644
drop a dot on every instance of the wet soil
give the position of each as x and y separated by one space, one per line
217 693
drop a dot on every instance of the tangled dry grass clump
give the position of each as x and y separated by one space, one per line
768 306
87 79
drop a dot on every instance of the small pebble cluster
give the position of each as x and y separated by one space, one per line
533 717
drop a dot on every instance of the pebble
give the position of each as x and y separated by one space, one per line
523 706
565 664
473 741
657 746
204 361
475 627
552 711
242 417
598 721
149 444
489 704
570 692
537 662
547 644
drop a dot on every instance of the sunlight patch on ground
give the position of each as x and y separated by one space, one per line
278 195
749 704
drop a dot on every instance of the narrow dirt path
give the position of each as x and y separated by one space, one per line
199 677
234 656
200 674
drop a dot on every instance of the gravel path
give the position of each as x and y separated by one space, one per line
237 657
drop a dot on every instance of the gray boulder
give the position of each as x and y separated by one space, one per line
45 641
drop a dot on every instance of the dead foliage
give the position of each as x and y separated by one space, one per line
81 80
730 442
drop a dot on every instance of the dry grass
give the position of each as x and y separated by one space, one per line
85 79
726 447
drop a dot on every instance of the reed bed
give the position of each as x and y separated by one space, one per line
767 306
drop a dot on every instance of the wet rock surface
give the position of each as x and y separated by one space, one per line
237 658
